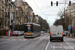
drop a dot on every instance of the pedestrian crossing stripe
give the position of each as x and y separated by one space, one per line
14 39
65 47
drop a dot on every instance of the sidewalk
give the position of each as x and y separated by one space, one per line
70 37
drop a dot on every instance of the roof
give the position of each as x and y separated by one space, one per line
33 24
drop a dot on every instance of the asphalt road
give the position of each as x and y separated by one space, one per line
39 43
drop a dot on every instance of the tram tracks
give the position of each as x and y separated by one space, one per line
44 42
31 42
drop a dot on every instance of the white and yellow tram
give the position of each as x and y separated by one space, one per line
31 30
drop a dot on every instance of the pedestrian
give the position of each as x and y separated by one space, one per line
6 33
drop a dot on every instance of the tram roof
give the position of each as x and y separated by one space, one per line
33 24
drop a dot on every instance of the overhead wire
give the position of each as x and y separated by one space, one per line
38 7
42 12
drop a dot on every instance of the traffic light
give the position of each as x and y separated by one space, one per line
69 3
56 3
51 3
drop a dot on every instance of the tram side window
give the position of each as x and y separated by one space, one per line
36 28
32 28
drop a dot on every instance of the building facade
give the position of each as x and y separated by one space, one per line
24 12
70 13
9 13
16 13
2 13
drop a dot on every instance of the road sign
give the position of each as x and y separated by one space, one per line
69 27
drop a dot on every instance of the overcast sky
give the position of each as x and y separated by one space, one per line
44 9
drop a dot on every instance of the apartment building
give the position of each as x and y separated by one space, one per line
9 13
70 13
19 12
2 13
24 12
27 12
36 19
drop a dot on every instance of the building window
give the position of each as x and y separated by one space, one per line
21 0
26 7
2 7
6 1
2 2
8 14
17 13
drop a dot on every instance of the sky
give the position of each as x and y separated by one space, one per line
44 9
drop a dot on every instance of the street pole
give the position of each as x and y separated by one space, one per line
10 17
10 13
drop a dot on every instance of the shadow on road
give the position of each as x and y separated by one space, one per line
57 41
29 37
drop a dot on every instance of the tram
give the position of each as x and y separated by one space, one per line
31 30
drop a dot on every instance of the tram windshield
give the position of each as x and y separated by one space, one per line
28 28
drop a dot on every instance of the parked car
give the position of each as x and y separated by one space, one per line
19 33
43 31
65 33
22 32
15 33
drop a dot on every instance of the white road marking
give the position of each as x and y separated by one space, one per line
6 42
57 47
69 45
11 40
60 44
62 47
69 39
47 45
53 48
